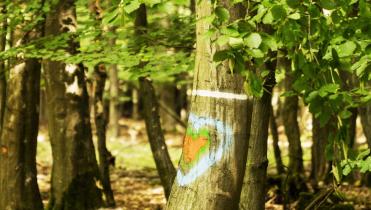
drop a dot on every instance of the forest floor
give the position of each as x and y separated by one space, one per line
134 178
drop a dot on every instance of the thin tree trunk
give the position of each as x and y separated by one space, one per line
101 125
253 192
75 169
18 175
3 26
114 109
100 114
155 134
275 137
167 97
290 122
156 139
135 98
213 160
319 163
365 115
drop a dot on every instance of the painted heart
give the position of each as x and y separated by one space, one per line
197 157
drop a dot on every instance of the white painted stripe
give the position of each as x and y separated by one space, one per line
217 94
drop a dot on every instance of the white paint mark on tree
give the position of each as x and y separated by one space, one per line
217 94
71 68
74 87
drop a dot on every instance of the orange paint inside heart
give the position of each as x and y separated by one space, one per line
192 147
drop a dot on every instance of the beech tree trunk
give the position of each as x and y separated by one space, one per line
3 25
114 109
319 168
167 97
18 140
101 125
365 115
290 122
212 164
275 137
75 169
165 167
100 113
18 175
254 190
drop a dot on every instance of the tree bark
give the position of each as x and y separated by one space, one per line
167 97
114 109
319 163
290 122
75 169
18 175
100 113
156 138
101 125
365 115
18 138
275 137
253 192
2 65
155 134
213 160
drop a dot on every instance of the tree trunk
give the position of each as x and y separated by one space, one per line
135 98
253 192
101 125
156 139
100 113
319 163
155 134
18 175
290 122
167 97
114 89
3 25
114 109
276 147
75 169
213 160
365 115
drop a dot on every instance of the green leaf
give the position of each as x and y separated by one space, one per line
363 154
346 49
328 88
270 42
347 169
294 16
235 42
328 4
253 86
278 12
293 3
268 18
222 13
253 40
345 114
132 6
221 55
222 40
256 53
